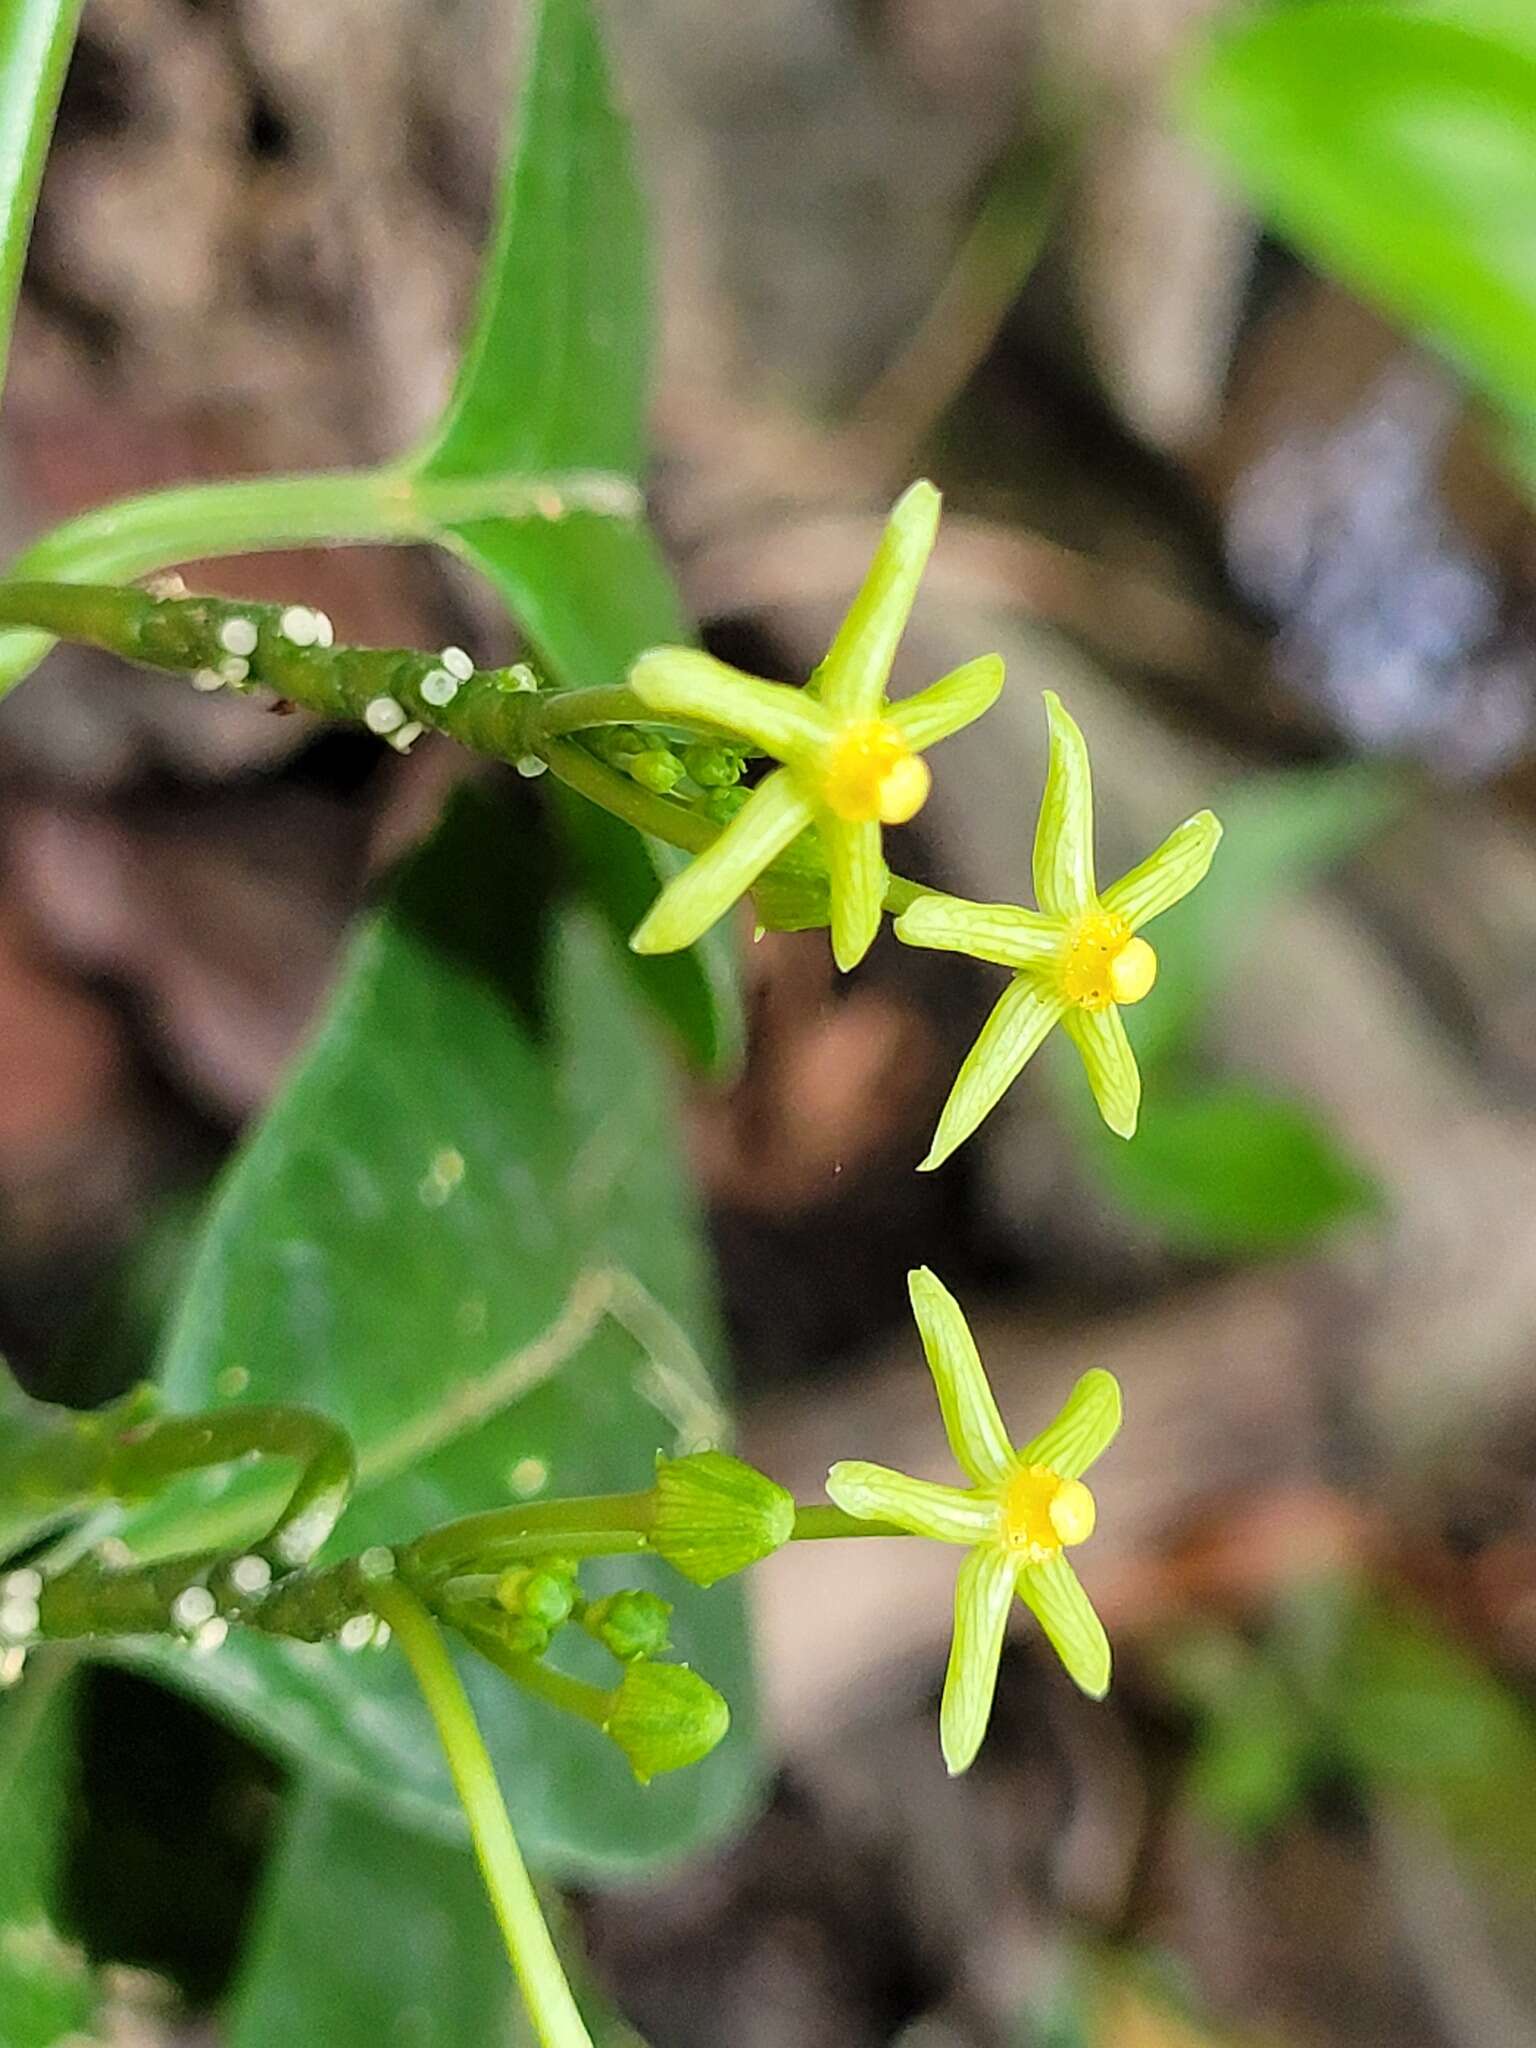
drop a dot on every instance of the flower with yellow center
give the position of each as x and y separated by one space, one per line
1022 1511
1076 960
851 762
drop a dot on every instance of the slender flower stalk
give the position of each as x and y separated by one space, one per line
1077 960
535 1961
1022 1511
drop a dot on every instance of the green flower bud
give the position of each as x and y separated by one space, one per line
665 1716
632 1623
715 1515
721 805
542 1593
658 770
713 767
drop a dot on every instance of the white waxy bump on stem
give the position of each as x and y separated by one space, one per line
210 1637
250 1575
457 663
192 1607
406 736
18 1619
530 765
383 715
325 632
439 687
238 636
23 1585
234 668
207 680
356 1632
299 625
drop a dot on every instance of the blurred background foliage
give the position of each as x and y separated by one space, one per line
1218 329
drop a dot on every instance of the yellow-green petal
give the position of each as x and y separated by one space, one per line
1024 1013
1168 875
1113 1075
983 1596
1084 1429
856 878
1054 1595
971 1421
946 1514
1064 834
682 682
999 932
955 700
773 815
858 664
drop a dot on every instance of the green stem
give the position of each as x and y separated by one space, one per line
547 1995
602 1525
820 1525
246 515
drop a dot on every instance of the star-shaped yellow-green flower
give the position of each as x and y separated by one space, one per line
1022 1511
1076 960
851 761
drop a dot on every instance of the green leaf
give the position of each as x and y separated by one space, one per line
1397 147
36 37
466 1236
558 371
1281 832
591 595
1227 1169
46 1988
555 379
367 1934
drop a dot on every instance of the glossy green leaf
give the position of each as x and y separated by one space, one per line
557 374
467 1236
36 37
1227 1169
555 380
1396 145
46 1988
368 1936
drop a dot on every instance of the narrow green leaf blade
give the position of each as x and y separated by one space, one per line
469 1238
1397 146
557 371
36 37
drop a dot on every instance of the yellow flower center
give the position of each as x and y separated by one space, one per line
1106 963
869 771
1043 1513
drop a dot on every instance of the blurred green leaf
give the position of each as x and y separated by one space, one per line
1419 1719
367 1935
1226 1168
1282 831
36 37
1254 1751
555 380
467 1236
46 1987
1396 145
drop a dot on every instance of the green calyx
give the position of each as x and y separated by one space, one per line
716 1515
664 1717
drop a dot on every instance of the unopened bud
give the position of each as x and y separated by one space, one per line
713 767
658 770
665 1716
631 1623
721 805
716 1515
542 1593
